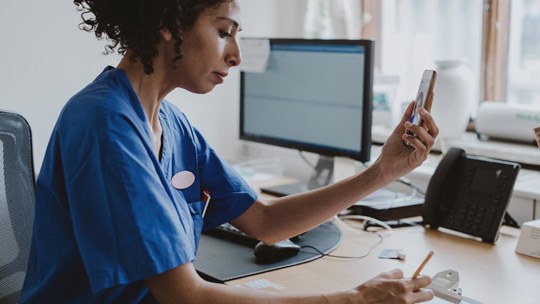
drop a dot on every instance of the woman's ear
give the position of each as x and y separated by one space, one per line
165 34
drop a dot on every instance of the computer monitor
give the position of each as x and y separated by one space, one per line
314 96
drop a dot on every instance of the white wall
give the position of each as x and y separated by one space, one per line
46 59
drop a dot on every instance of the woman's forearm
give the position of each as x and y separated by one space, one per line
291 215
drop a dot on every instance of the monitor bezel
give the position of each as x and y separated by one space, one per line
365 141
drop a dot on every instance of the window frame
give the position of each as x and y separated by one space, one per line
495 50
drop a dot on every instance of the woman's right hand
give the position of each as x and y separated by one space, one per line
392 287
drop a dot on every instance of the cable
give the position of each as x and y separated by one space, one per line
366 218
348 257
357 217
306 160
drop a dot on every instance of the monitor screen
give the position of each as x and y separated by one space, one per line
314 95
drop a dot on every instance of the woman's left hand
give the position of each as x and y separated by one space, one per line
403 152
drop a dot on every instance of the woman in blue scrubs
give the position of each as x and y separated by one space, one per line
123 188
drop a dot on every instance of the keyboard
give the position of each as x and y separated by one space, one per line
230 233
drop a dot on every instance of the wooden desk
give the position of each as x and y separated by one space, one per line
488 273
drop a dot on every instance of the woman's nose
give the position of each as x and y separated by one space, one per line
235 57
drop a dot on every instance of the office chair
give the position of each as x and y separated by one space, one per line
16 204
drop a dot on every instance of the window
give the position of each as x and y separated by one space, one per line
499 38
417 33
524 53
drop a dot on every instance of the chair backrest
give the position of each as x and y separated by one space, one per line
16 203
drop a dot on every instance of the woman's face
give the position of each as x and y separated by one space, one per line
210 49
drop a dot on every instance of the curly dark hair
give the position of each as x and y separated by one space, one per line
135 24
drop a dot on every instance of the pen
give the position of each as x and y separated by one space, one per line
206 198
417 272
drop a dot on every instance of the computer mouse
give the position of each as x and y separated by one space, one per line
274 253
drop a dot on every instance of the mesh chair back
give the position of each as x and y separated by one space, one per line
16 203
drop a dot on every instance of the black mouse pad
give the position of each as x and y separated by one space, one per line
220 260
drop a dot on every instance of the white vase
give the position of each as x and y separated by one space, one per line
455 96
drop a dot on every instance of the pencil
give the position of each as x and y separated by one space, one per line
417 272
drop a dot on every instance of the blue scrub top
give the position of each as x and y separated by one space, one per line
107 215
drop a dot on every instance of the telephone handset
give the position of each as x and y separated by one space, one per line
469 194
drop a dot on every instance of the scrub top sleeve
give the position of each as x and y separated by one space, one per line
230 193
125 221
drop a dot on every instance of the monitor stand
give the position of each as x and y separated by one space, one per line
321 177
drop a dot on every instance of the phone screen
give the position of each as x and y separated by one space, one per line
426 86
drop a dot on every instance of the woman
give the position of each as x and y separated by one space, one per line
119 199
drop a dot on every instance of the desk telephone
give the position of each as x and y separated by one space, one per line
469 194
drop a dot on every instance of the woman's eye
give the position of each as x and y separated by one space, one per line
224 34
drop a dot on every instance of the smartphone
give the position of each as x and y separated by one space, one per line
424 98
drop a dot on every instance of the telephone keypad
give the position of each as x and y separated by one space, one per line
469 194
477 212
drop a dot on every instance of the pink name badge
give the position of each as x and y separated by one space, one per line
182 180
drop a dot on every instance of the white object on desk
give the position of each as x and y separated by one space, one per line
455 94
507 121
529 239
445 286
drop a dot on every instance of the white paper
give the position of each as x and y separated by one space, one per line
255 54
